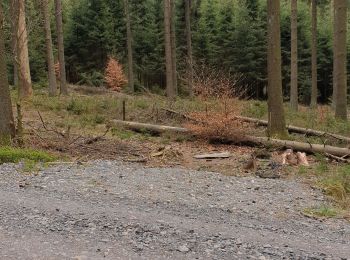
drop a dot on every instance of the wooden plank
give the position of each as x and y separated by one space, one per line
213 156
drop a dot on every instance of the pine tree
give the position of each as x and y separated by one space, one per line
25 89
189 46
294 56
49 48
173 44
170 88
148 35
314 90
60 40
205 35
129 46
90 39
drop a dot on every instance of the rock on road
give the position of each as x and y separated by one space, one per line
112 210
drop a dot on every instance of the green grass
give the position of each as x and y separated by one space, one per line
30 166
333 180
14 155
322 167
88 110
303 170
77 107
255 109
323 211
336 184
123 134
322 119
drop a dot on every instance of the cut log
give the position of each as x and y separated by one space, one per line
149 127
302 159
252 140
298 146
296 129
288 157
212 156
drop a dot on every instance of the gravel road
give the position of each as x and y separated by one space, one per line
113 210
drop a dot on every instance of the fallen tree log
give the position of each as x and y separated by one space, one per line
251 140
149 127
299 146
296 129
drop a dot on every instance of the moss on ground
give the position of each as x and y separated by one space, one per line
14 155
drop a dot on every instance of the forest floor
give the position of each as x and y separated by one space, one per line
118 193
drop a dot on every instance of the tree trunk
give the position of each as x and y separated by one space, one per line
294 56
49 50
170 90
15 74
25 89
173 44
314 94
189 47
59 28
334 97
13 24
7 129
340 74
277 126
129 45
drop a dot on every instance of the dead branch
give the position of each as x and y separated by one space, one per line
97 138
49 129
338 159
138 160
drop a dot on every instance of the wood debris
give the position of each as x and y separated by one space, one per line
302 159
224 155
291 158
251 164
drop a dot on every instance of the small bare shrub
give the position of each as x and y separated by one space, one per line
210 82
220 123
114 75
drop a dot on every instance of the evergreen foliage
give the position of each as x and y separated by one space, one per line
229 35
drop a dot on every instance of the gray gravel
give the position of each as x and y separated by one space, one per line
112 210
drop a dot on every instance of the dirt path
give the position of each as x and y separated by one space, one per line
111 210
